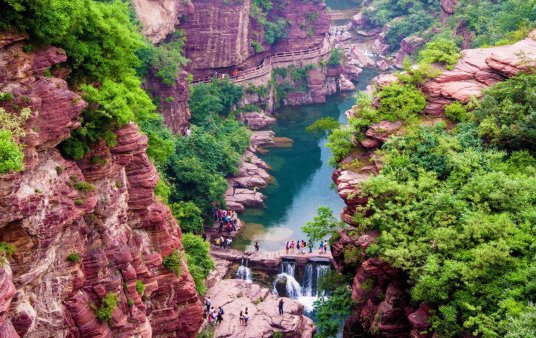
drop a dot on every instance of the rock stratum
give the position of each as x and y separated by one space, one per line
383 306
105 211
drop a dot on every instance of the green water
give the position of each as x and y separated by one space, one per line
301 175
343 4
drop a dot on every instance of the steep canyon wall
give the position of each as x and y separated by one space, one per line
102 208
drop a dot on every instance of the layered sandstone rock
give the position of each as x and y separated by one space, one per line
236 295
159 17
256 120
220 33
105 211
173 99
476 70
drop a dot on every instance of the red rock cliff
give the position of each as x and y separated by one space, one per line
119 229
220 33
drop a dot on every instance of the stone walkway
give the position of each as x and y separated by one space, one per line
269 261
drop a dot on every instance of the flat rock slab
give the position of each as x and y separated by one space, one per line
235 295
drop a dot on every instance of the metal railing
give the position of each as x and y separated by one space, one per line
268 63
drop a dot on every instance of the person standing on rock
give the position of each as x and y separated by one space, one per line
219 317
298 246
292 247
325 246
257 246
303 245
241 318
207 304
246 317
321 247
236 185
281 306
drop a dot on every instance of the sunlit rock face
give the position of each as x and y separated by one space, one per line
102 208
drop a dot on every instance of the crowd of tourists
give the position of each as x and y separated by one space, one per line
213 317
226 219
301 247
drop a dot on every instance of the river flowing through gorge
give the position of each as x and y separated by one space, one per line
301 175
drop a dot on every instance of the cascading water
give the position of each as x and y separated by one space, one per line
287 277
244 272
286 284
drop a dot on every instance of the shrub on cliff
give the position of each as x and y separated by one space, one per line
173 262
507 113
11 155
189 216
199 261
441 51
457 218
108 305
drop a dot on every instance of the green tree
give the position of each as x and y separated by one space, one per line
323 225
189 216
199 261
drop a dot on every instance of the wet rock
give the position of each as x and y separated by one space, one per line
281 286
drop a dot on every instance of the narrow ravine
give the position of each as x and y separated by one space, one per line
301 175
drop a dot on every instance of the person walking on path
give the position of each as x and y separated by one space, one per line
292 247
298 246
207 304
246 317
321 247
325 246
287 246
257 246
310 247
281 306
219 317
241 318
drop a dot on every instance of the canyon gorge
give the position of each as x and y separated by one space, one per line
127 127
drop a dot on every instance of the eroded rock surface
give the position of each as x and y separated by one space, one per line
235 295
478 69
104 211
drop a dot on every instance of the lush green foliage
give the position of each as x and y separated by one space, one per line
523 325
491 22
167 60
199 261
332 311
322 125
108 305
6 250
189 216
441 51
275 31
73 257
507 114
335 57
210 99
173 262
11 131
207 332
400 102
11 155
140 287
457 217
457 112
323 225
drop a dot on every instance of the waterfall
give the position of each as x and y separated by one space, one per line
244 272
307 285
313 273
287 276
